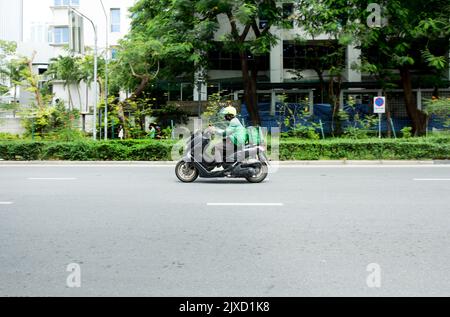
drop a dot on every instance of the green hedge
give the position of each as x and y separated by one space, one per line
371 149
86 151
290 149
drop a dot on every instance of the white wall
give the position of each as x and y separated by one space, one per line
11 125
11 20
42 14
80 97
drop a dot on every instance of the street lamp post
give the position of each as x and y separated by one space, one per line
199 90
106 70
95 69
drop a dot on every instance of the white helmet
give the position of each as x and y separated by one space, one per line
230 111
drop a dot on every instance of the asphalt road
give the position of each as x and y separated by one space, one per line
137 231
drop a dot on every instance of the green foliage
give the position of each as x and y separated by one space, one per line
215 103
303 132
290 149
8 136
407 132
361 127
52 122
338 149
439 108
87 150
299 124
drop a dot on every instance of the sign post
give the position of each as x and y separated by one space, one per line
76 35
379 107
72 18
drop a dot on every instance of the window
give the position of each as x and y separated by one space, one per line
114 53
312 55
61 35
65 3
221 59
115 20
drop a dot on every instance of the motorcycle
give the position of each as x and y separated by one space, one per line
249 162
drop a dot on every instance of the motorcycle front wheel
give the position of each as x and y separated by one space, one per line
186 172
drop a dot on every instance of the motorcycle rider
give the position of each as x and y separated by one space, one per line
234 136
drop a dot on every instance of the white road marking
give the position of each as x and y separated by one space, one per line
6 203
51 179
246 204
432 179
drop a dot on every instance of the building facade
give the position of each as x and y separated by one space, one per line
47 32
11 20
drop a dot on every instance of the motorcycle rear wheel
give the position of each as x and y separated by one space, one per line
261 174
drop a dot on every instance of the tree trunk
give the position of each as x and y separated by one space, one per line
250 90
140 89
33 82
334 95
70 97
15 94
321 83
418 118
121 113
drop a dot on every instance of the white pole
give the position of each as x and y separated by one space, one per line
95 71
95 81
106 71
380 116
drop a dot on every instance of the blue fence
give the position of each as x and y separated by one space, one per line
323 114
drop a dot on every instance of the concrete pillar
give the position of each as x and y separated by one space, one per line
419 99
276 61
311 100
353 56
203 91
273 103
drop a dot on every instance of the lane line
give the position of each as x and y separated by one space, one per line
245 204
6 203
51 179
432 179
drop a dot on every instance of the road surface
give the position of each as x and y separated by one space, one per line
307 231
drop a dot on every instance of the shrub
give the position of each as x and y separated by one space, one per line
8 136
370 149
436 147
407 132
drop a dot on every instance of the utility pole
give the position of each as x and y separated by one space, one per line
106 70
95 70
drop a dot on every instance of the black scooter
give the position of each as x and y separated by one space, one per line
249 162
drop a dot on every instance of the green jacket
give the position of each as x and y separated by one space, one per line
236 132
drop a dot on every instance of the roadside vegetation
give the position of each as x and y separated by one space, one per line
174 39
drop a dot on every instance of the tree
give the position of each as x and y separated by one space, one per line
11 67
13 71
408 39
136 66
31 83
187 28
333 19
322 57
